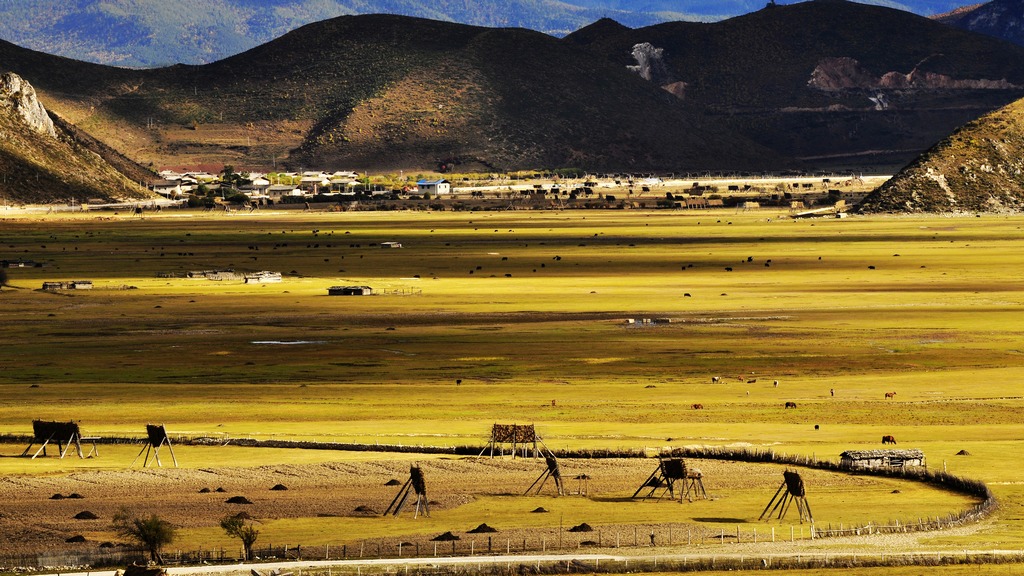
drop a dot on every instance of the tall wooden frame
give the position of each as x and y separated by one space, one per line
518 435
792 489
63 433
552 471
156 438
665 476
416 483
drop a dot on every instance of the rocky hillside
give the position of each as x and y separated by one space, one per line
1002 19
824 80
980 168
41 161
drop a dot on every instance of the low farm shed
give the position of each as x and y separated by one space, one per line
891 458
349 291
68 285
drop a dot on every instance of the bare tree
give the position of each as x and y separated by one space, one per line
237 527
152 533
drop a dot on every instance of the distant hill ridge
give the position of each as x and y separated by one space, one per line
152 33
1002 19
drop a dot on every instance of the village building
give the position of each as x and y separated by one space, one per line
262 277
315 183
350 291
434 187
20 264
885 458
168 188
68 285
279 191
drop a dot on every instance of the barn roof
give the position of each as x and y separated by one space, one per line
890 453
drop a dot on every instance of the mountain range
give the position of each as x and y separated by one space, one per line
815 85
152 33
824 84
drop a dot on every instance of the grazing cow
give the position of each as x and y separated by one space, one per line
889 395
752 380
697 407
715 379
790 404
887 439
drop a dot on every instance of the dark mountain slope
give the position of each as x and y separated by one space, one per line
801 78
1002 19
979 168
392 92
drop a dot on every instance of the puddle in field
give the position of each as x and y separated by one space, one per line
286 342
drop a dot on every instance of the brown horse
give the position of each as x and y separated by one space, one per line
889 395
790 404
887 439
697 406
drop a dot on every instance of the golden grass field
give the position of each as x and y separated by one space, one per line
528 310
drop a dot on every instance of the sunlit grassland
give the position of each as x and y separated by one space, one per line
846 310
611 515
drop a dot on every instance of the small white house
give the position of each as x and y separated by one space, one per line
434 187
169 188
278 191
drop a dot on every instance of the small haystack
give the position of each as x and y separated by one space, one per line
86 515
539 510
392 482
963 453
446 537
482 529
279 487
584 527
57 497
238 500
75 539
205 490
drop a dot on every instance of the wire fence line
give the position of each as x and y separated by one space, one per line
519 565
